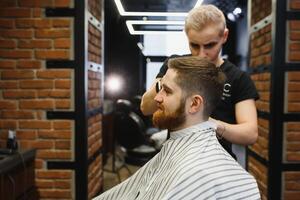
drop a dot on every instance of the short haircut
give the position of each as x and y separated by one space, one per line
197 75
203 15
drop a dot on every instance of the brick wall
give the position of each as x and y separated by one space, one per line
94 8
28 90
260 60
294 4
292 98
294 41
259 172
291 147
276 78
261 147
260 9
291 185
292 142
261 46
262 84
94 47
95 97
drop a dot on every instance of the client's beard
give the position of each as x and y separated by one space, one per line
170 121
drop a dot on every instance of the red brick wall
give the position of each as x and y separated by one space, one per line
95 177
54 184
260 173
260 9
292 98
294 4
95 7
95 78
95 46
261 147
28 90
260 56
262 84
292 142
294 41
291 147
291 185
94 144
261 46
94 134
94 87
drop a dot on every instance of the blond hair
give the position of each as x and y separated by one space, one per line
203 15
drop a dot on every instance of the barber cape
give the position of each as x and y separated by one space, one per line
191 165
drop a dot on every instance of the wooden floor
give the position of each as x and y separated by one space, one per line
122 172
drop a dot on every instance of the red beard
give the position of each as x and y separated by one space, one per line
170 121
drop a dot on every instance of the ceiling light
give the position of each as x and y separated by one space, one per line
132 31
237 11
231 17
114 84
176 14
140 45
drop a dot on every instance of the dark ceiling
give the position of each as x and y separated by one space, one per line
158 5
176 5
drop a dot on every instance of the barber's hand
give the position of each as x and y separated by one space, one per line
220 127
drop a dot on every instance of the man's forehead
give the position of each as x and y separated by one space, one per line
204 35
170 75
169 78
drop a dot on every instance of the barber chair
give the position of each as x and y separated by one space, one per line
130 134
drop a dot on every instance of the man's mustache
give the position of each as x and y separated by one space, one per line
160 106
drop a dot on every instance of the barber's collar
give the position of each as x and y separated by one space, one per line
192 129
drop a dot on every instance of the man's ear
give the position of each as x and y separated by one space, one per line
196 104
225 35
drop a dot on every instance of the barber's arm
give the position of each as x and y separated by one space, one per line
148 105
245 131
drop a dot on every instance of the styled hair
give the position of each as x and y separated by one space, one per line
203 15
197 75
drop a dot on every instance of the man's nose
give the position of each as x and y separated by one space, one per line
158 98
201 53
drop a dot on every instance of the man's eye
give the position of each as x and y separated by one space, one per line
210 45
167 91
194 45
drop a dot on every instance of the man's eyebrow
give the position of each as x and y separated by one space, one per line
211 42
166 87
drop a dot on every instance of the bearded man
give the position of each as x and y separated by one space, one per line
191 164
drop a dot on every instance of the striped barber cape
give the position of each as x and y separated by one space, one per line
191 165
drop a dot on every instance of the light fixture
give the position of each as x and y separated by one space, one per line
235 14
114 84
231 17
237 11
132 31
174 14
140 45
